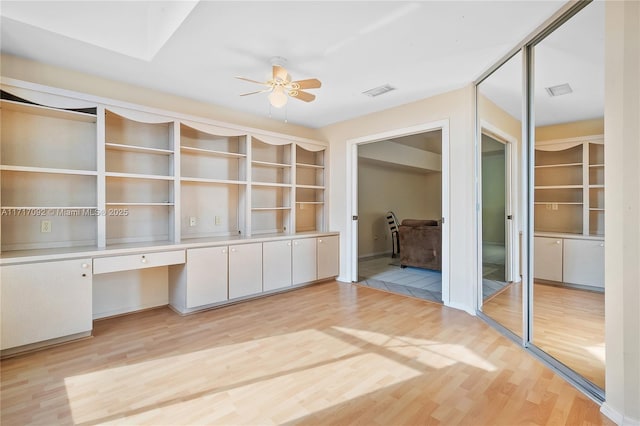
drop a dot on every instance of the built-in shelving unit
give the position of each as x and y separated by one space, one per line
140 180
112 175
48 175
569 186
310 189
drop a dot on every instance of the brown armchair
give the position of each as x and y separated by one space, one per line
421 244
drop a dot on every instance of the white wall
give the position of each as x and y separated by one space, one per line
622 221
381 187
456 107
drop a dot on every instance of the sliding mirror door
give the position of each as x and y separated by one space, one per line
568 194
499 102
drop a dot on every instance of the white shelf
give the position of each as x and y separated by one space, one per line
309 202
310 166
138 176
558 202
551 166
48 170
596 165
559 187
268 164
138 204
220 181
269 208
310 186
47 111
596 186
211 152
273 184
596 210
134 148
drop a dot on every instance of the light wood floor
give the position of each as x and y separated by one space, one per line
327 354
568 324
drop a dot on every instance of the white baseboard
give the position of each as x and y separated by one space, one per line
461 307
612 414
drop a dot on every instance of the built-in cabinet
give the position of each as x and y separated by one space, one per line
44 301
95 190
569 211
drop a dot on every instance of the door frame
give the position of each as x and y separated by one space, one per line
512 261
352 195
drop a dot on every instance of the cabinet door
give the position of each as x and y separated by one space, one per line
304 260
328 260
583 262
276 264
245 270
42 301
206 276
547 258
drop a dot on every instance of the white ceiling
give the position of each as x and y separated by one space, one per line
572 54
194 49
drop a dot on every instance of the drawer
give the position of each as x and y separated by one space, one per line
103 265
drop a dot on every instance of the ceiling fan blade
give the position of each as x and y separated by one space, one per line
281 73
311 83
303 96
252 81
257 91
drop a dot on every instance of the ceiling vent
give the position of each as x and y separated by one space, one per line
380 90
562 89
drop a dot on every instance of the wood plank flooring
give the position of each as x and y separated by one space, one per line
327 354
568 324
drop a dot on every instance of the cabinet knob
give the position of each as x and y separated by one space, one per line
289 243
224 250
233 249
601 244
85 265
295 243
144 259
557 241
320 241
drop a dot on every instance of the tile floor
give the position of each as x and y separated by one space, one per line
385 273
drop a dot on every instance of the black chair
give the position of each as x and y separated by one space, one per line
395 236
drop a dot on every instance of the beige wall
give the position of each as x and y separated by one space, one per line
22 69
382 188
622 221
570 130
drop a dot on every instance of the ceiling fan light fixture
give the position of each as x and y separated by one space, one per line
277 97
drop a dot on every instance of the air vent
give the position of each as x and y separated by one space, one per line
562 89
380 90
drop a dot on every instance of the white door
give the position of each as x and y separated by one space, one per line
276 265
42 301
245 270
304 260
206 276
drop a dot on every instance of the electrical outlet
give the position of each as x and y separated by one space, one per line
548 206
554 206
217 220
193 221
45 226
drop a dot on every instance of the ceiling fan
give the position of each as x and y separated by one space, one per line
281 87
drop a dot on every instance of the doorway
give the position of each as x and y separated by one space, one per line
495 215
416 159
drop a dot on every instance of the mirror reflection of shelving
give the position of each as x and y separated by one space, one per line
43 186
270 187
569 188
139 171
213 183
310 190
